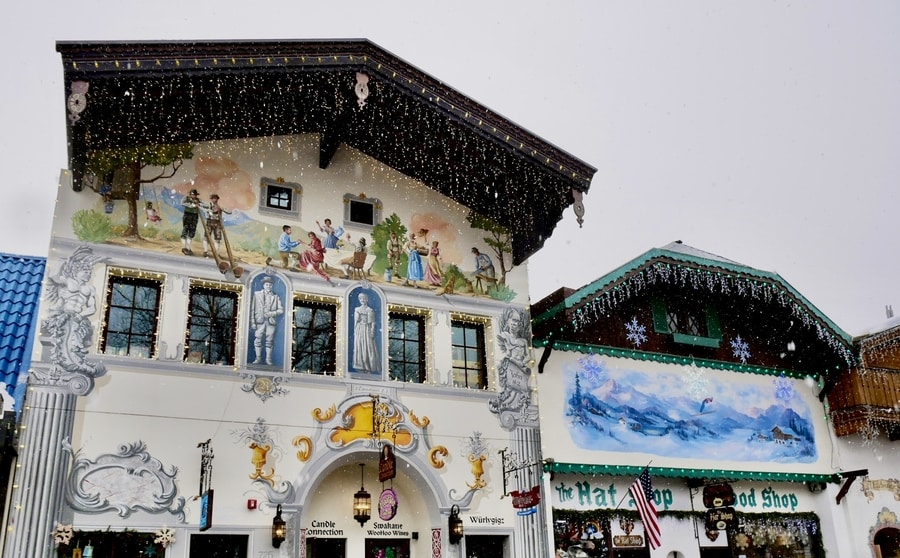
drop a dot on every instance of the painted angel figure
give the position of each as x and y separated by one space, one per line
513 373
74 299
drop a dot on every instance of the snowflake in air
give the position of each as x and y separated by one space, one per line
637 333
740 349
696 380
784 389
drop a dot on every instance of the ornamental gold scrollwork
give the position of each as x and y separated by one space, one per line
869 486
260 453
325 416
437 455
477 471
421 423
305 447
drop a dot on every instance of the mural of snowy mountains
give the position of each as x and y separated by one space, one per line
613 409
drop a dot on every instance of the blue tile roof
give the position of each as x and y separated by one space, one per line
20 295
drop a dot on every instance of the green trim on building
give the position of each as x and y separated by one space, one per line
687 473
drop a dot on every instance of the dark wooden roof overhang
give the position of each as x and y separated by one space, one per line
174 92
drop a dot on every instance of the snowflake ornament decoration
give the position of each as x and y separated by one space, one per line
637 333
593 370
62 534
784 389
740 349
696 380
165 537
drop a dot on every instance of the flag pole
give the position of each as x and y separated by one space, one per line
647 466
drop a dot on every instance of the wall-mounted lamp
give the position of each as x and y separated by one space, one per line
278 528
455 525
362 501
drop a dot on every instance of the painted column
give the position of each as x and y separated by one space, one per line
518 414
37 495
530 528
62 373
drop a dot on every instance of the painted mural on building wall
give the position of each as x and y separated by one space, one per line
205 203
679 414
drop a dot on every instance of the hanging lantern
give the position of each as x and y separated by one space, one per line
278 528
362 501
455 525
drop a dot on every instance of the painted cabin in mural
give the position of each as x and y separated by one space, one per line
286 312
708 376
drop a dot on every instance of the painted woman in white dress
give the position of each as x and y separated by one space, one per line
365 348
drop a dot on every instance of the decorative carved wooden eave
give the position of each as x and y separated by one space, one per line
678 265
866 399
350 92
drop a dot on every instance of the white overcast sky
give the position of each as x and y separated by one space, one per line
764 131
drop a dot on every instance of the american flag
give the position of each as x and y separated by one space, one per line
642 492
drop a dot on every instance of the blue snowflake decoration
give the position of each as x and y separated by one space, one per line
784 388
740 349
593 370
637 333
696 380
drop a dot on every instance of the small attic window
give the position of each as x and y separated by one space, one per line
361 211
277 197
690 324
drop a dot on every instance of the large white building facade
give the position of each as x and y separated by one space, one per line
199 377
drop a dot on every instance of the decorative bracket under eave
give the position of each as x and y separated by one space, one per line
578 206
850 476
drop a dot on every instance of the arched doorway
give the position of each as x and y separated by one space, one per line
887 543
327 518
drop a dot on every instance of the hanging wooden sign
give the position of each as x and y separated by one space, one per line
718 495
387 464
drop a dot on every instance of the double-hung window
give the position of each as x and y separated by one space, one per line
212 324
406 347
469 359
313 350
132 312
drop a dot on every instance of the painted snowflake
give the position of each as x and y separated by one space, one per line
740 349
637 333
784 388
696 380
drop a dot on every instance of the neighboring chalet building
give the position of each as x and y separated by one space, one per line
865 412
203 385
710 373
20 294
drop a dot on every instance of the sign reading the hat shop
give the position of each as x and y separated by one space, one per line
718 495
628 540
721 519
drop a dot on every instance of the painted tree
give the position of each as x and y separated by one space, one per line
499 240
380 236
127 164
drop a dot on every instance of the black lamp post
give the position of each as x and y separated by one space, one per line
278 529
362 501
455 525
